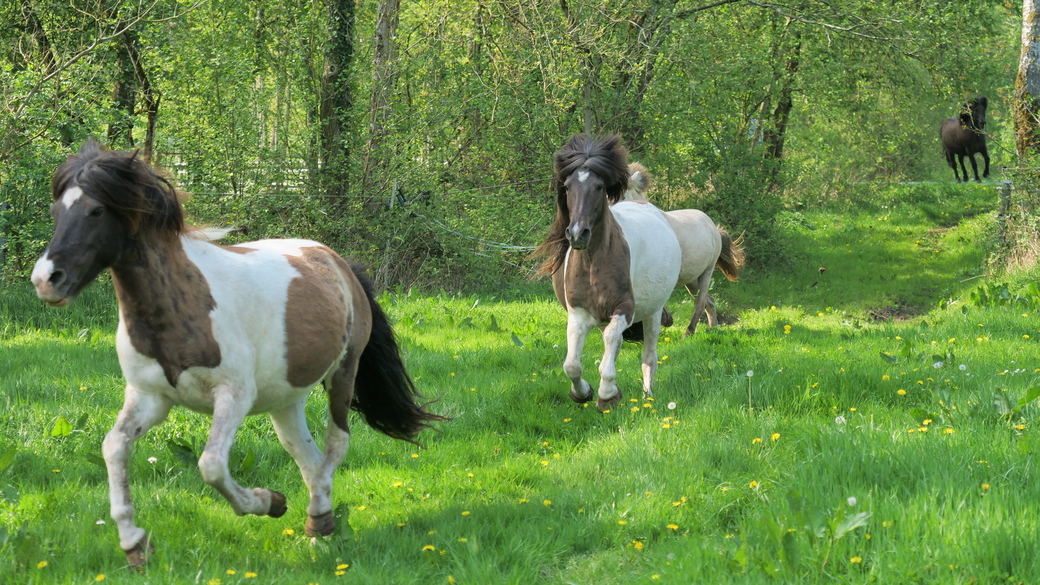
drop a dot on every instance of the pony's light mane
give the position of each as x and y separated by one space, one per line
125 185
639 181
603 155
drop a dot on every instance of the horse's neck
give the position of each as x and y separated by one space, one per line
164 305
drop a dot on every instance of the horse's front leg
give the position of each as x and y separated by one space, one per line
140 412
579 323
230 405
609 393
985 157
651 331
974 169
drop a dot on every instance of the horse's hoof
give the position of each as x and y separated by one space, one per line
606 405
582 399
278 506
139 555
320 525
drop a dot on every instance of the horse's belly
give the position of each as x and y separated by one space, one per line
699 242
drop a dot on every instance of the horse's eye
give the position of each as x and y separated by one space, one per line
97 212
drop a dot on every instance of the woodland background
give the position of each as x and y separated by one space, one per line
417 136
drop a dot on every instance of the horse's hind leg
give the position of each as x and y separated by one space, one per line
651 330
703 299
140 412
319 470
974 169
964 169
230 406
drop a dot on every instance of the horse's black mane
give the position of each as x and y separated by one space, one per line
603 155
125 185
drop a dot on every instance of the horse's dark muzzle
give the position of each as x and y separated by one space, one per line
578 238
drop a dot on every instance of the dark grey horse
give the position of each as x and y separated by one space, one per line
963 137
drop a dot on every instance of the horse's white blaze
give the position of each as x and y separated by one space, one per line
656 256
70 196
583 176
41 275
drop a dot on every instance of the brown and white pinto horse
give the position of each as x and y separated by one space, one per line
612 264
227 331
705 247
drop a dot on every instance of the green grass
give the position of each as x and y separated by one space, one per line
524 486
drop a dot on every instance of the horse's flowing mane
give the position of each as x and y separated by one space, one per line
639 181
125 185
603 155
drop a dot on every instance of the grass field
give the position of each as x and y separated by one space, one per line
873 422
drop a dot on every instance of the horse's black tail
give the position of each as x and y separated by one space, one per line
383 392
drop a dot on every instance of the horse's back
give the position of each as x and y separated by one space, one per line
281 317
656 256
699 240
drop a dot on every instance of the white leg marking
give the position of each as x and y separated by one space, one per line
651 330
290 424
230 406
579 323
70 196
140 412
611 346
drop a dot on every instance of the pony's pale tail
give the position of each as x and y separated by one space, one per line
383 392
731 260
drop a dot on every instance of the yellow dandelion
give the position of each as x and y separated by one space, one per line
397 484
885 377
415 455
635 409
451 580
100 578
523 500
250 575
886 523
546 502
340 573
231 572
673 527
756 440
362 507
622 522
948 431
463 540
288 532
901 392
545 462
774 437
465 512
429 548
753 484
856 560
342 566
41 564
985 486
1020 427
566 420
637 544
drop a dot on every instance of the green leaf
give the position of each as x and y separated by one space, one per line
494 324
516 340
1031 395
62 427
850 523
7 457
891 359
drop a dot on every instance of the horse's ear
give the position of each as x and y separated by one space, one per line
90 148
982 101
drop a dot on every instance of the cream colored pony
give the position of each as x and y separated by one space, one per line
705 247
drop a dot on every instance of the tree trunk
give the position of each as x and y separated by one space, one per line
336 102
124 96
376 169
1026 102
774 135
652 28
